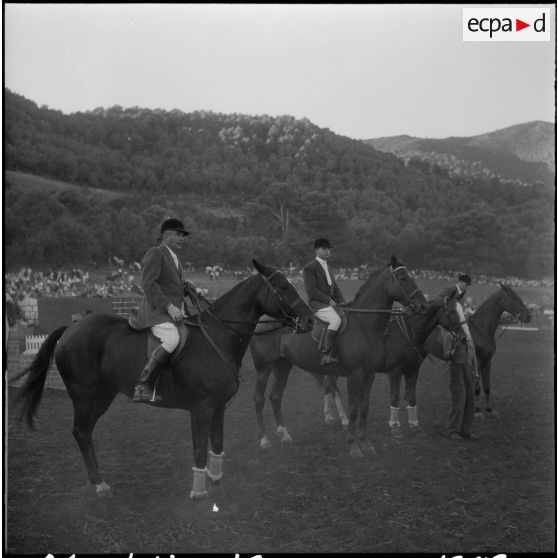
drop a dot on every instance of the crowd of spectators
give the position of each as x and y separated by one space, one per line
66 283
27 285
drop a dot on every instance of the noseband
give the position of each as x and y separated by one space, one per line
289 316
408 297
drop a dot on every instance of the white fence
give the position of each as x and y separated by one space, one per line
33 343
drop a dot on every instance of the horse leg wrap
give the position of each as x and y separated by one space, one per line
412 413
328 415
215 469
394 417
340 409
198 490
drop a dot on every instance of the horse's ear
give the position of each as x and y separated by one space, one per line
260 268
394 262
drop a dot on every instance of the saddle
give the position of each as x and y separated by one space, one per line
320 326
153 342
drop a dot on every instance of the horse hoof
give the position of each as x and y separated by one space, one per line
103 490
479 415
195 495
355 451
284 435
329 420
345 425
265 443
492 413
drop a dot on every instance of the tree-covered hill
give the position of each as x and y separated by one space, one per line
250 186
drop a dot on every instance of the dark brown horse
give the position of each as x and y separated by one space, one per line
483 325
101 356
404 356
359 349
404 353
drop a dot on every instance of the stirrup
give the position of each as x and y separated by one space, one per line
143 392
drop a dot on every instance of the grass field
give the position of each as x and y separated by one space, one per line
425 494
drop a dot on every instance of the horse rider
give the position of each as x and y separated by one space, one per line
323 296
162 305
460 288
463 374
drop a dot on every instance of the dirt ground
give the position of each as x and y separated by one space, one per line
424 494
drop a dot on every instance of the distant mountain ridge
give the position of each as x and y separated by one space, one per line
523 153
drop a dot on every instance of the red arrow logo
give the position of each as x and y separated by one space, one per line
519 25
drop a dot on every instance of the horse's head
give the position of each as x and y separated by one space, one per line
282 301
452 316
402 288
514 305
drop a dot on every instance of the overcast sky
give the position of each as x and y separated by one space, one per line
363 71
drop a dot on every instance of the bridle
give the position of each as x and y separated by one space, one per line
408 298
289 313
409 307
289 318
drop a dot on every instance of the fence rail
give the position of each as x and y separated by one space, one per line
34 342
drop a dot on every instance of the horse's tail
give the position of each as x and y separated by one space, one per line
31 392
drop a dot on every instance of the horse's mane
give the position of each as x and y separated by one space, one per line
371 277
487 302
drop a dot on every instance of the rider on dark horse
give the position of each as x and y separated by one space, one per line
323 295
163 305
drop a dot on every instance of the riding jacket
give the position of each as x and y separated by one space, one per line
318 291
162 284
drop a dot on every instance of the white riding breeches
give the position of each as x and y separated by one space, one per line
167 333
329 315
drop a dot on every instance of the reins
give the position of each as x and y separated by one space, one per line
200 302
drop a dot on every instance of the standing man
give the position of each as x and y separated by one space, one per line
323 295
162 306
463 374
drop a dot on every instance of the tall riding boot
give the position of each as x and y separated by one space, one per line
143 390
326 347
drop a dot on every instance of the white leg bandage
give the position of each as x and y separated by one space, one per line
394 417
328 415
215 469
198 490
412 413
340 409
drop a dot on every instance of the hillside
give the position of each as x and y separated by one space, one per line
251 186
523 154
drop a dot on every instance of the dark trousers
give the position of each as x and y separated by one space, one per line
462 389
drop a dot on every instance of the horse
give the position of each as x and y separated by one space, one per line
101 356
358 347
403 356
483 325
